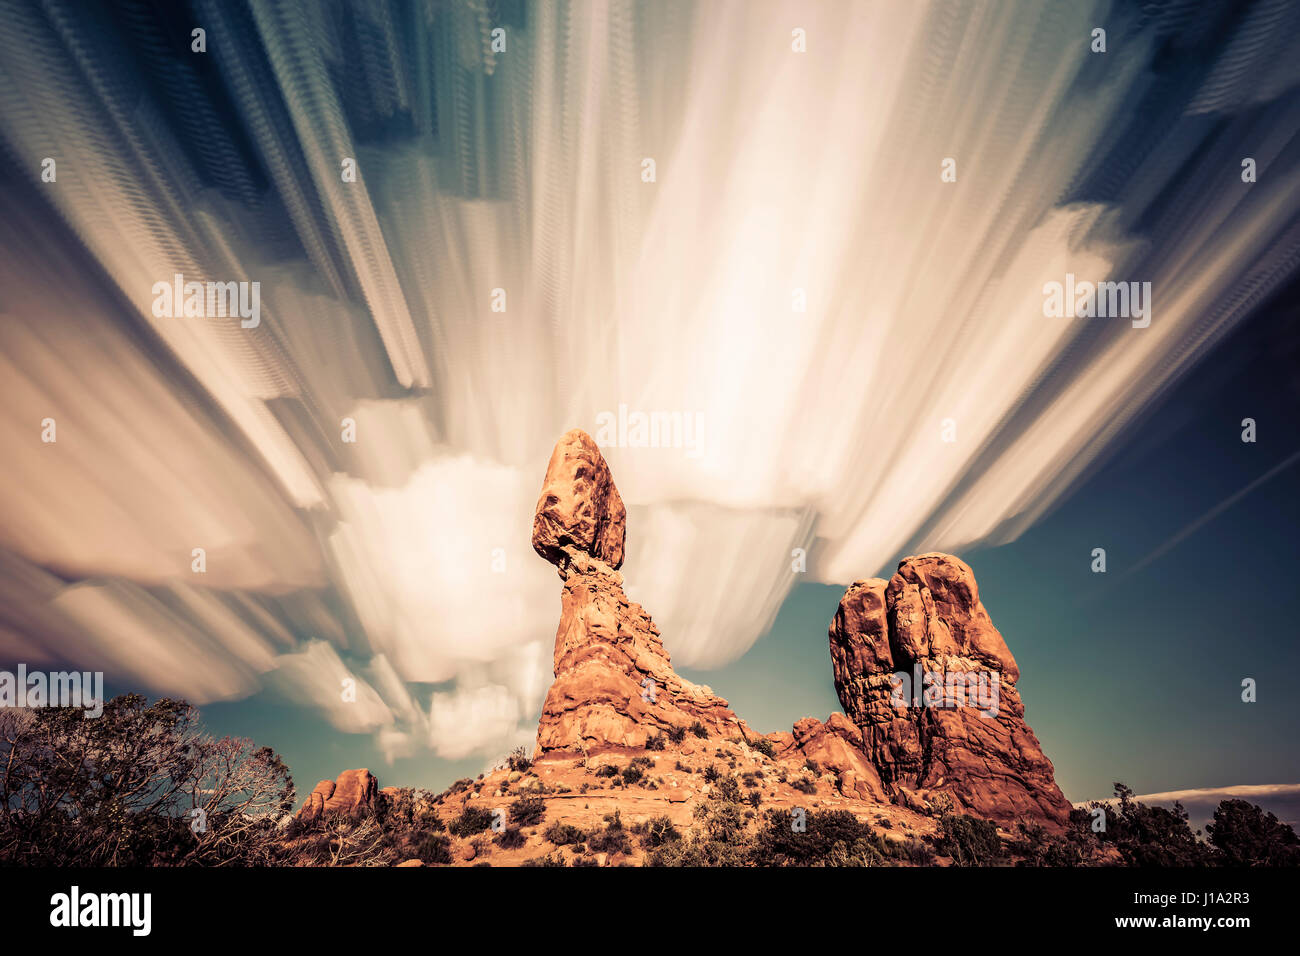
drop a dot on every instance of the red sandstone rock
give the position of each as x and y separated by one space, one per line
315 802
929 616
614 682
579 508
355 790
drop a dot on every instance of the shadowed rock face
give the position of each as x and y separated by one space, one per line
928 618
614 682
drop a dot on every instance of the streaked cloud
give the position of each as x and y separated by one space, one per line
402 559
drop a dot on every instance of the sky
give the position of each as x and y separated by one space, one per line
821 236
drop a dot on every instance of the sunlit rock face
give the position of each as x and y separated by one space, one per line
579 507
614 682
354 792
967 737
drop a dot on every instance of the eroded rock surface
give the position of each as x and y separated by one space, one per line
928 619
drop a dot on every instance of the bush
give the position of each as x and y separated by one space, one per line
563 834
436 848
612 839
765 747
1248 836
805 785
830 838
1151 836
550 859
520 760
1036 847
677 734
720 840
511 838
654 742
656 832
727 789
968 840
528 811
632 773
608 770
699 730
711 773
472 820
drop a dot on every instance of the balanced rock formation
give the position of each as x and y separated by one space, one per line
954 723
615 686
353 792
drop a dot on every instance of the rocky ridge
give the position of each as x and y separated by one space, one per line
622 736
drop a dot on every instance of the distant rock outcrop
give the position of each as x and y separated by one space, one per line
955 724
614 683
354 791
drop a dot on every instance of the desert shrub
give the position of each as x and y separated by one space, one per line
829 838
632 773
699 730
520 760
563 834
656 832
654 742
765 747
612 839
608 770
550 859
754 799
511 838
726 789
435 848
813 767
472 820
721 839
585 861
968 840
914 851
1246 835
710 773
805 785
1034 846
677 734
527 811
643 761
